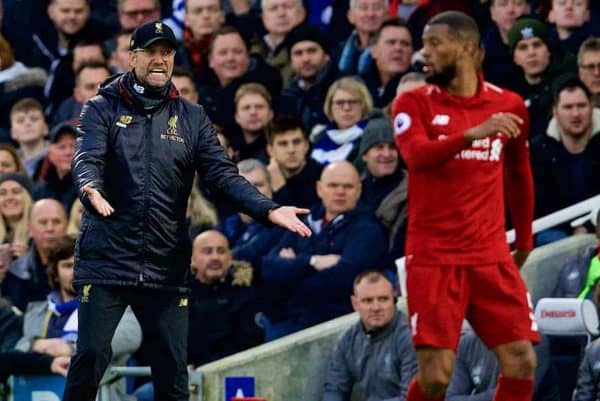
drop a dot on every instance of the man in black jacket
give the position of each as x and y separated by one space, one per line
139 144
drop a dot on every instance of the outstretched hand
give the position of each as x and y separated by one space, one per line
286 217
97 200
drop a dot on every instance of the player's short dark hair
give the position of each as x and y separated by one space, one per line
371 276
459 24
282 124
569 82
395 22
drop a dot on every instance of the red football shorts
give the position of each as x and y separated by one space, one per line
493 298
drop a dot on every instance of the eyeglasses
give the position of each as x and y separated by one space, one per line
144 12
590 67
341 103
164 53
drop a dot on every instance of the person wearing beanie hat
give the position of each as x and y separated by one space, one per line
541 63
527 28
306 32
22 179
378 151
313 73
15 205
377 131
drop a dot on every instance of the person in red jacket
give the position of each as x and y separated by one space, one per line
463 141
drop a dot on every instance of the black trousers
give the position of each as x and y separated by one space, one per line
163 317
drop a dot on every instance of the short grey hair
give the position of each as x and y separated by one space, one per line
248 165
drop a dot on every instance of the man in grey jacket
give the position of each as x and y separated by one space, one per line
375 354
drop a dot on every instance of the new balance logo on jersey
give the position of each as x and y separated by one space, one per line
440 119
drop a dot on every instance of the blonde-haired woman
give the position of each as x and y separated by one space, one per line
348 106
15 205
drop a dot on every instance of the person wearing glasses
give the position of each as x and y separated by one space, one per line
348 106
588 61
138 148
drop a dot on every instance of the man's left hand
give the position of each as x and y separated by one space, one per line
60 365
285 216
520 256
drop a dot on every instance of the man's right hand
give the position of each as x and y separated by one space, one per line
100 204
504 123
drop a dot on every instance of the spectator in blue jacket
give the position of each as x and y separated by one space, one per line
311 279
251 240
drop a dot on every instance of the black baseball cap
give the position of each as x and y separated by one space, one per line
60 130
151 32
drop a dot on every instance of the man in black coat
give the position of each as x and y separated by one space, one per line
223 294
138 147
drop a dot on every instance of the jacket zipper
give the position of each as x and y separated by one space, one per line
146 198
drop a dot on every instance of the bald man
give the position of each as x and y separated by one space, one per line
311 279
26 279
222 304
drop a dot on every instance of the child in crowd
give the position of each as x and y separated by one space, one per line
28 127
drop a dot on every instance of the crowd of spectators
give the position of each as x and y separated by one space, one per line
299 93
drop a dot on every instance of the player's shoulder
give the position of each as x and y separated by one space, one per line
416 97
496 92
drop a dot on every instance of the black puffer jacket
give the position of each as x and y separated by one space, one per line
144 166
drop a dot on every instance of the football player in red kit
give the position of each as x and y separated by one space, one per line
465 144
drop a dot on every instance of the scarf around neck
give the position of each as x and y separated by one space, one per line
144 97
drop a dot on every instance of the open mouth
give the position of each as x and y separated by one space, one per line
157 72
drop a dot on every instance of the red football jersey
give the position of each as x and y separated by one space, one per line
455 189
